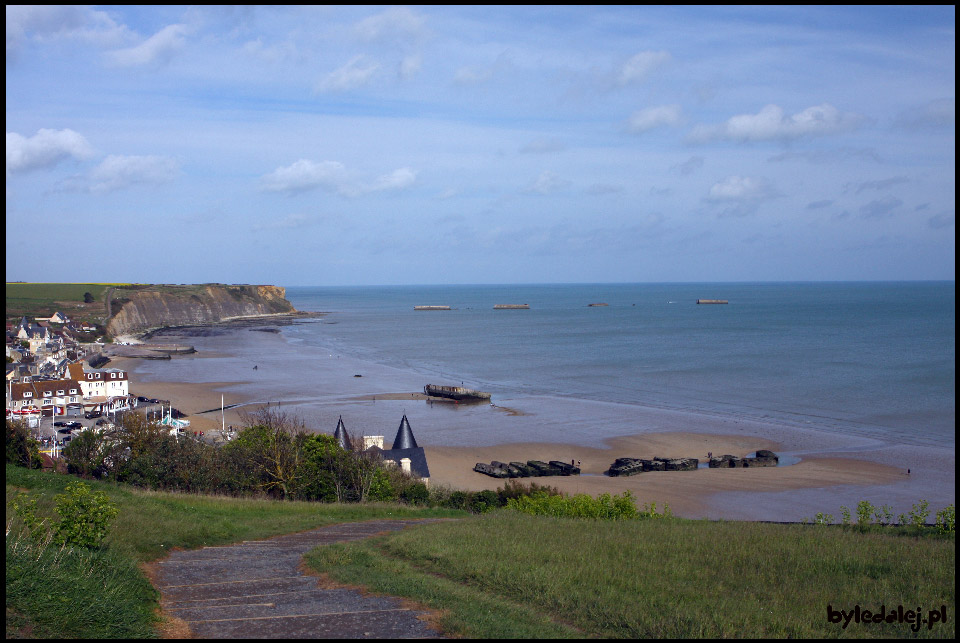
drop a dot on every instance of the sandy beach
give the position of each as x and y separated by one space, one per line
830 470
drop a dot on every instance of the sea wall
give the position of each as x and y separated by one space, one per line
137 310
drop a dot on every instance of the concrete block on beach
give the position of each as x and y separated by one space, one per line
532 469
626 467
490 470
726 462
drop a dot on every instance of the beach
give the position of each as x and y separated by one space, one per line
825 471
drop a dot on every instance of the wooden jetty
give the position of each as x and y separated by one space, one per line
511 306
712 301
455 392
431 307
598 304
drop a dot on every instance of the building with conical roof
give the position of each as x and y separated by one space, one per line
340 435
404 439
405 452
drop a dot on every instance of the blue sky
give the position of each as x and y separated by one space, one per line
410 145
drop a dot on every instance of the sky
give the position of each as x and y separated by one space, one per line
445 145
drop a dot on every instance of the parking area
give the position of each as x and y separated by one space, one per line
60 430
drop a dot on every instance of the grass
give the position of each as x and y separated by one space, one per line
500 575
505 573
35 299
54 593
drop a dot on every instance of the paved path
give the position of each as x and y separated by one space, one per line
255 590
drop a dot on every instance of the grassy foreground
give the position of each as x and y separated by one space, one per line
53 593
511 575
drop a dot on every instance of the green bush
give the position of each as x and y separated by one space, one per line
604 507
84 516
947 520
416 494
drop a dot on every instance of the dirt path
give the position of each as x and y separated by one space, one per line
255 589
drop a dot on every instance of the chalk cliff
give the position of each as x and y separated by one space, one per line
139 309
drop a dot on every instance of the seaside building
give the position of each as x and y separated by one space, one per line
340 435
406 453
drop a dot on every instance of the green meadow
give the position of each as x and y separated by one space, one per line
502 574
39 299
510 575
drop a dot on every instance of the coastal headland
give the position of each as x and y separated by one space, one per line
824 472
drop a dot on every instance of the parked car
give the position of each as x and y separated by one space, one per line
92 415
59 424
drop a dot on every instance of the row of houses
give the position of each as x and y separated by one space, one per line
83 391
46 376
43 348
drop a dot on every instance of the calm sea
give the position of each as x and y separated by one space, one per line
873 359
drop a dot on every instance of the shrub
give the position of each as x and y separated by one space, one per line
416 494
581 505
84 516
864 512
484 501
947 520
919 513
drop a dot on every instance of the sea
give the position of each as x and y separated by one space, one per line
869 358
863 369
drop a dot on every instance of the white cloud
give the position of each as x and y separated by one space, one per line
740 195
158 48
399 179
332 176
652 117
44 149
48 22
306 175
640 66
397 23
116 172
352 75
736 188
771 124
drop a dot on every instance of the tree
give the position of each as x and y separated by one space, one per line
22 449
271 446
88 298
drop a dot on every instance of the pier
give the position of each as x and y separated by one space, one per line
511 306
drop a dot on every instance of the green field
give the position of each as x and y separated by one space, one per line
502 574
44 299
511 575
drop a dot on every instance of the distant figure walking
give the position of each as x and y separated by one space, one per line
254 367
908 471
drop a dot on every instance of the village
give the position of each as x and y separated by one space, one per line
55 390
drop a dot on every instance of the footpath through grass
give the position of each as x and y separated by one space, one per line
512 575
75 593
